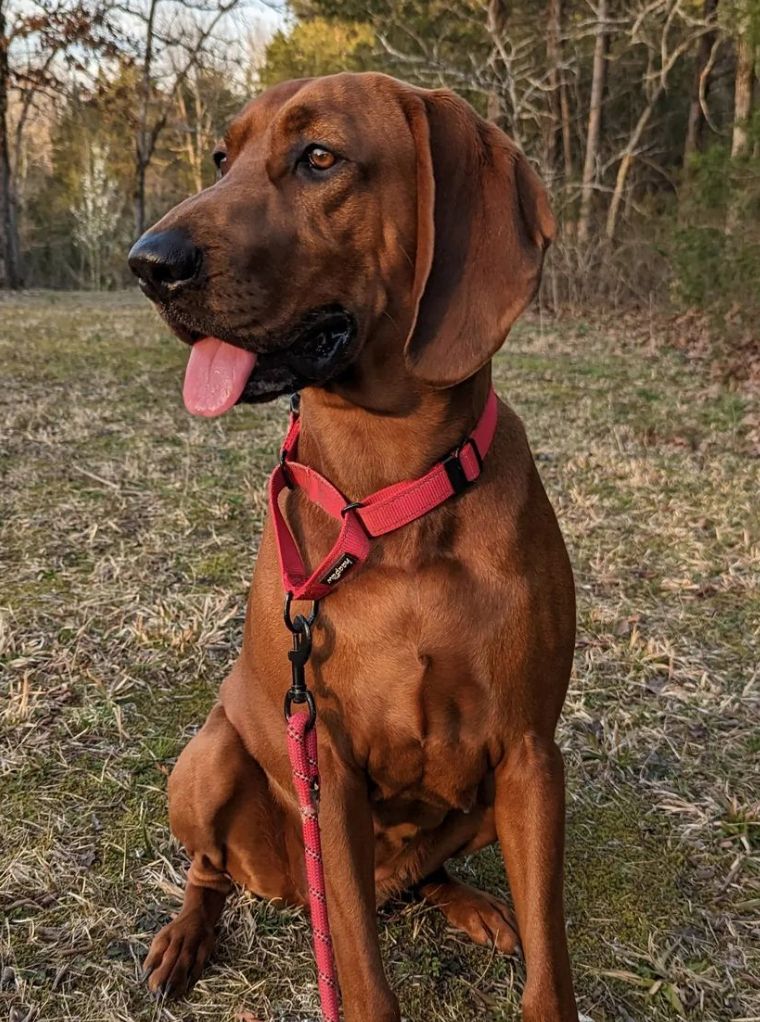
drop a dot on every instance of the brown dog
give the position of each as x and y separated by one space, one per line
371 244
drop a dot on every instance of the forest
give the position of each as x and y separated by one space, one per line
643 117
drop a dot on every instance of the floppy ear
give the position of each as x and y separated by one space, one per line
483 225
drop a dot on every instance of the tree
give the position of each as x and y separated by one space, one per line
559 132
593 133
176 36
204 105
744 81
654 26
700 89
318 47
11 256
747 27
88 125
41 42
497 22
95 212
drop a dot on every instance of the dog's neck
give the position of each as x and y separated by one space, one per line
361 449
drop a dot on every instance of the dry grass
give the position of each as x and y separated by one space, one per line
128 535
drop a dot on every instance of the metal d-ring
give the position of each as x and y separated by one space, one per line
351 507
307 619
308 698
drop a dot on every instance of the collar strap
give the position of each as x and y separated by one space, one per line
383 511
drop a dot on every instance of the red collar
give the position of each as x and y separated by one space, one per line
384 511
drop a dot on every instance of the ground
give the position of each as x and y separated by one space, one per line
129 532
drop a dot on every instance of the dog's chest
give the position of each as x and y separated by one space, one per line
415 699
432 762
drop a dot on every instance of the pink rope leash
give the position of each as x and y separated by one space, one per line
302 749
381 512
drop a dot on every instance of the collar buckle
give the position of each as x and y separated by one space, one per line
454 468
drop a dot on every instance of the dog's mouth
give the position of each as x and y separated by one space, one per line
222 372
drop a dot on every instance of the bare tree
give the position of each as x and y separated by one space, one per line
664 55
11 255
196 127
703 65
496 23
558 134
508 72
598 82
186 34
202 103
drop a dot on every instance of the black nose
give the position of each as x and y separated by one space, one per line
164 261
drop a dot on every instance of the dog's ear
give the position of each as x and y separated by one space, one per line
483 225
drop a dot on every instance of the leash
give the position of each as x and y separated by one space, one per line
361 521
302 750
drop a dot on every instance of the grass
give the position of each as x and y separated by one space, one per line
128 535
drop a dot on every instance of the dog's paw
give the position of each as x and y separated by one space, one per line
485 919
178 954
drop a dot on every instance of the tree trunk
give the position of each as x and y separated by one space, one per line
627 161
598 80
567 138
497 16
745 72
553 59
139 196
696 122
191 133
495 110
559 143
11 247
743 89
668 61
143 143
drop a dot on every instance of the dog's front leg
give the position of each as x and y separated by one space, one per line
530 822
348 844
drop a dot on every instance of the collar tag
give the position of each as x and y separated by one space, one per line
334 574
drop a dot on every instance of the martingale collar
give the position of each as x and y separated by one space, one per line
362 521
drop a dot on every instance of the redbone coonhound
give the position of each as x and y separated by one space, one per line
370 244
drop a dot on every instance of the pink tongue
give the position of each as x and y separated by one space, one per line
215 377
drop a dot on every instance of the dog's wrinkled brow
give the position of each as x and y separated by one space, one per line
298 118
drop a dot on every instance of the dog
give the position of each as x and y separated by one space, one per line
370 244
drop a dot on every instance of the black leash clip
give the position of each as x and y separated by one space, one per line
300 629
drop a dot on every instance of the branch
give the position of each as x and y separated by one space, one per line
704 79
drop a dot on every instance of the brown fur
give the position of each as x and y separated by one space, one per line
441 668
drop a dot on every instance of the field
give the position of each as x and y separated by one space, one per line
128 536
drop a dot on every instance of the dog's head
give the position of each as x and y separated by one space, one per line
359 225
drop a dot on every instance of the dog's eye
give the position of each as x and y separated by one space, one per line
220 161
319 158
